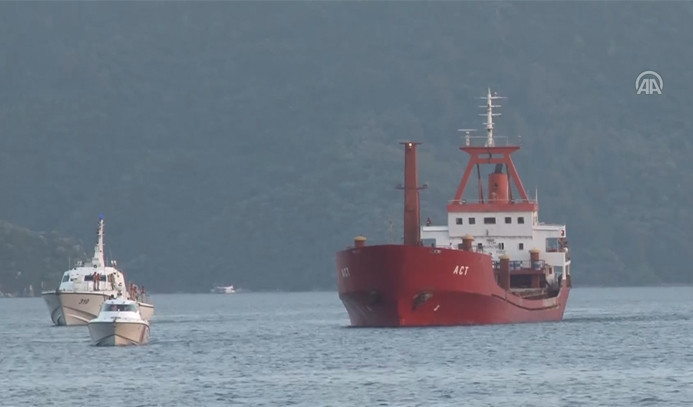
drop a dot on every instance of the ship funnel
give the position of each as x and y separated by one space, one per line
412 216
498 187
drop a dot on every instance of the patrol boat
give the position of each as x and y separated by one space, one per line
86 286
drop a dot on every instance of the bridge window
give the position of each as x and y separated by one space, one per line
490 221
521 246
501 246
552 244
520 219
508 219
458 221
472 221
480 246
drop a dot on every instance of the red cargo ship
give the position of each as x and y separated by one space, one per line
493 262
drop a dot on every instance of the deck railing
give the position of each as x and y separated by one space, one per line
521 264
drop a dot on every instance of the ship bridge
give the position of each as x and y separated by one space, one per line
501 219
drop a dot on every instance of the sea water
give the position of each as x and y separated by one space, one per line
615 347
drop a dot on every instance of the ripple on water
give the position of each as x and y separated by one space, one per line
631 347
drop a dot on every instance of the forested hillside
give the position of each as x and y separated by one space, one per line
28 258
245 142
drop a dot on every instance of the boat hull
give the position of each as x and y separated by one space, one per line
146 310
397 285
119 333
73 308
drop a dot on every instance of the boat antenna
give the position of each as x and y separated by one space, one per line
467 136
98 259
489 116
390 232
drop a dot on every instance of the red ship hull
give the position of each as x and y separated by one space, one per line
400 285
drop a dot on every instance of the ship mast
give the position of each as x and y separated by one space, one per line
489 117
99 260
499 182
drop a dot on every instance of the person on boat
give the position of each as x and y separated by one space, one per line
132 292
428 221
96 277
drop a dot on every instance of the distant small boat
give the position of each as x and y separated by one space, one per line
119 323
220 289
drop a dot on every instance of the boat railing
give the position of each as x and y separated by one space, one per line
481 141
483 201
521 265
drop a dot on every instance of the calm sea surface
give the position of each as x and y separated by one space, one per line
616 347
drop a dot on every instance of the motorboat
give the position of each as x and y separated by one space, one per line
119 323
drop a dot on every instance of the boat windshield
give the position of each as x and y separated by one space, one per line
119 307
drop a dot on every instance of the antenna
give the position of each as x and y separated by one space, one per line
98 259
489 115
390 232
467 138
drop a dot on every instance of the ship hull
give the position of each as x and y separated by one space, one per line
73 308
397 285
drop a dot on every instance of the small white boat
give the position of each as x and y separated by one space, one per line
229 289
119 323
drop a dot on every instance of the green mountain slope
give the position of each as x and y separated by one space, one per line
33 261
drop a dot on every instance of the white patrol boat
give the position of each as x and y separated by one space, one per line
119 323
84 288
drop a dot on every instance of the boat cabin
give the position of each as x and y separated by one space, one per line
119 306
81 277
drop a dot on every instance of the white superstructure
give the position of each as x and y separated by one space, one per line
502 221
